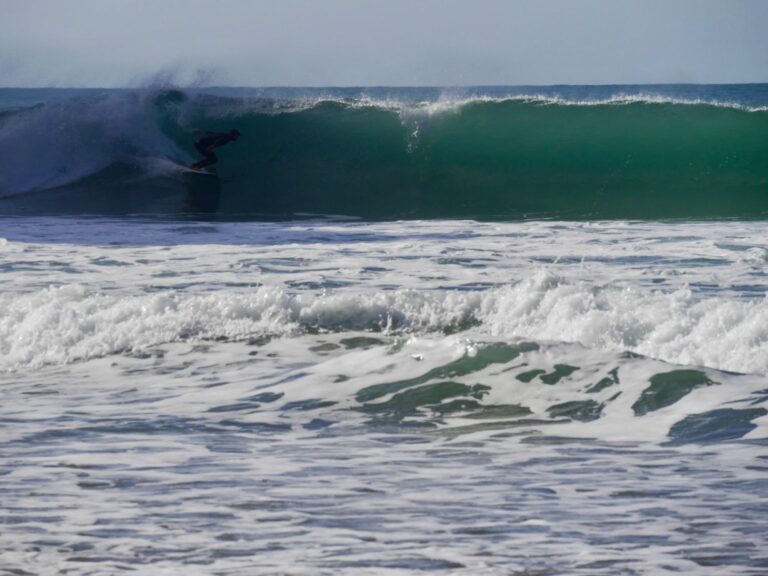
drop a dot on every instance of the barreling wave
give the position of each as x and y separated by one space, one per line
624 157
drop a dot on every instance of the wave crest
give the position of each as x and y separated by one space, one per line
70 323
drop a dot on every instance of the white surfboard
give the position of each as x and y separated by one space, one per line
189 171
198 172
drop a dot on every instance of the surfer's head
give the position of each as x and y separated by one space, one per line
234 134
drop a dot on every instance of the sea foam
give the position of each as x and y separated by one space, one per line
70 323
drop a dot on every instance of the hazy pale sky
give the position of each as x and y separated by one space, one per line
112 43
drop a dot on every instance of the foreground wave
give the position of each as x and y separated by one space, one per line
484 157
348 454
473 398
62 325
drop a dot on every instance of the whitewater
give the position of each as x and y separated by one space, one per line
394 337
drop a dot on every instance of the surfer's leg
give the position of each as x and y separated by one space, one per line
210 158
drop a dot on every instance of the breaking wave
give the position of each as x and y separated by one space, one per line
70 323
527 156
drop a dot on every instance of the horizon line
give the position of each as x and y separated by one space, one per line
377 86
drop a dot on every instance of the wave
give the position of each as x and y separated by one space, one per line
538 392
71 323
633 156
544 356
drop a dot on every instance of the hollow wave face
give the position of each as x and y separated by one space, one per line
489 158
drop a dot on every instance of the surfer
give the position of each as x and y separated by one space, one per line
210 141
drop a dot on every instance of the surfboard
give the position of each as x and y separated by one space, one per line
185 170
195 172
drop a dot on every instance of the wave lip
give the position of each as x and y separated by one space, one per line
447 105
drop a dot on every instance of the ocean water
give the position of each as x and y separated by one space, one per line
570 152
408 331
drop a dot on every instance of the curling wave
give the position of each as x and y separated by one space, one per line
621 157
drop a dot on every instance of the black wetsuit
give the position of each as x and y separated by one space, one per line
207 143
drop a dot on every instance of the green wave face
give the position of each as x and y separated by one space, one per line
478 159
501 159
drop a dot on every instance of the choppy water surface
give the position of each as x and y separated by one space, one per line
320 397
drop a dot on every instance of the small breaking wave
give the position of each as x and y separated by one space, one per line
70 323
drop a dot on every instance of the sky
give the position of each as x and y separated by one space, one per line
128 43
